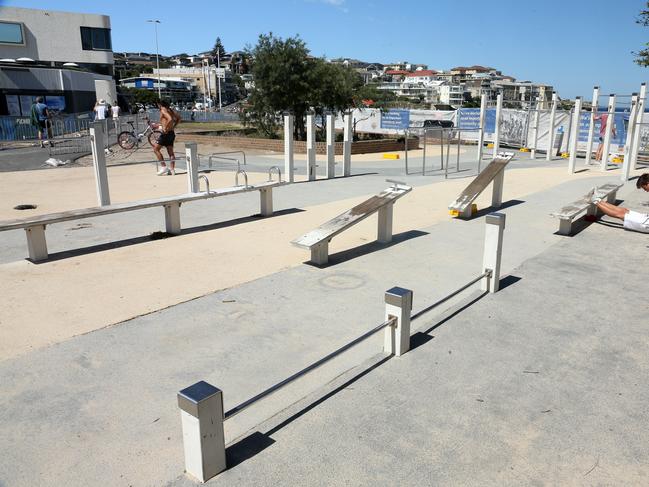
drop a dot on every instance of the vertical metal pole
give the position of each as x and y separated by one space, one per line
499 107
493 249
457 162
191 158
398 304
405 132
610 122
638 126
423 162
99 162
481 127
347 145
591 127
201 413
535 128
574 135
628 145
331 145
289 168
310 145
553 111
441 145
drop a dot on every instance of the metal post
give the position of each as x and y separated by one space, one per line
457 161
347 145
574 135
493 249
201 413
405 133
423 162
499 107
535 128
384 230
331 145
218 78
289 168
638 126
191 157
441 146
628 144
481 127
99 162
310 145
398 304
591 127
553 111
610 121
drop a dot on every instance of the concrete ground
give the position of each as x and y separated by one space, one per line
538 384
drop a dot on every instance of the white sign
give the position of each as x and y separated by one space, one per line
220 72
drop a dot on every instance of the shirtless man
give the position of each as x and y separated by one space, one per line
603 121
168 121
633 220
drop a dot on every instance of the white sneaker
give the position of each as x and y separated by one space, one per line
163 171
172 172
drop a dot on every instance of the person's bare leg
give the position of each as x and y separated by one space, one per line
160 158
172 159
612 210
598 154
40 138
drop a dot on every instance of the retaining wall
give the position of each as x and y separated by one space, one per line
277 145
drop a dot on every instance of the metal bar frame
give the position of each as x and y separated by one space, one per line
271 390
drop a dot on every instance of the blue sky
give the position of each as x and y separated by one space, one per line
571 44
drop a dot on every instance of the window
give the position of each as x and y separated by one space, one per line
11 33
95 39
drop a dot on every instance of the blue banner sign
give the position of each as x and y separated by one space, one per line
621 121
395 119
470 119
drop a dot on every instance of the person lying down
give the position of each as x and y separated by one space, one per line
633 220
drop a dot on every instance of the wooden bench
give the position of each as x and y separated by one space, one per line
35 226
569 213
495 171
318 240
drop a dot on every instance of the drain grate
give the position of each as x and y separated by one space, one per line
25 207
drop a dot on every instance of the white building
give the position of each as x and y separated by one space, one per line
55 38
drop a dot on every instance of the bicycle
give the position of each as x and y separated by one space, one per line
128 139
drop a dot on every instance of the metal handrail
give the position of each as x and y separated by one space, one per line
418 314
245 178
207 182
246 404
231 152
270 173
213 156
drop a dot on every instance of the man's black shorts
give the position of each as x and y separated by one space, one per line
42 125
167 139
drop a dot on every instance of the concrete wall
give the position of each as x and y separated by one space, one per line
54 36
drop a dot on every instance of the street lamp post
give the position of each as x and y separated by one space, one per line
157 53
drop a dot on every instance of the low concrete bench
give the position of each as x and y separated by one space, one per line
318 240
569 213
35 226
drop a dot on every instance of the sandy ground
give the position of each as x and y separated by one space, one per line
50 302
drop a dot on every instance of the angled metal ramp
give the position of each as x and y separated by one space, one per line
495 172
317 240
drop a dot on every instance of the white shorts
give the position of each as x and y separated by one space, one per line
638 222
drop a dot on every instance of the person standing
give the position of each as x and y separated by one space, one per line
603 121
100 110
115 112
39 117
169 119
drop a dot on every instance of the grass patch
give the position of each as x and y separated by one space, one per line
209 126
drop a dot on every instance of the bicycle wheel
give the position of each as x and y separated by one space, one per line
126 140
154 136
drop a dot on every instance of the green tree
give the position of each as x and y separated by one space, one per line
281 73
217 51
288 79
642 56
